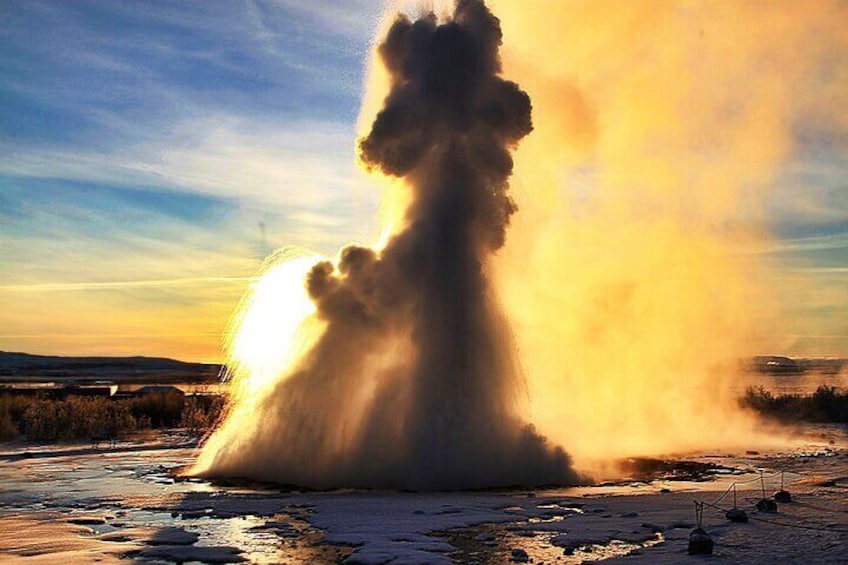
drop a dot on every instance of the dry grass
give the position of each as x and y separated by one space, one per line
827 404
41 418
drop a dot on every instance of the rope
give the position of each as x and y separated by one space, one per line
760 478
754 480
720 498
699 513
699 505
778 523
821 508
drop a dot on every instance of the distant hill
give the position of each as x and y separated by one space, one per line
778 365
16 367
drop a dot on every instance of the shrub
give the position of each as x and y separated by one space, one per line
826 404
76 417
40 418
8 430
163 409
201 413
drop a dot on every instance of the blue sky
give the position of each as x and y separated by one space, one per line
149 141
144 144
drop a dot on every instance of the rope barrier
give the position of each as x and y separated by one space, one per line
761 478
731 487
699 513
821 508
699 505
787 524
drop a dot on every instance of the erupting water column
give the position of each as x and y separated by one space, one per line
411 380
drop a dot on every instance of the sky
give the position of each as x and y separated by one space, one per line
153 153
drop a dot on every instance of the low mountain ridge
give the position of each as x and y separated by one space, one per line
16 366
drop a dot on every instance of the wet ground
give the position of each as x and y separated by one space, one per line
127 503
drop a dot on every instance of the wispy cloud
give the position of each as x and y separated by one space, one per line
816 243
107 285
820 270
297 167
352 18
146 170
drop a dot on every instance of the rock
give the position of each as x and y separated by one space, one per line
519 556
629 515
192 514
766 505
737 515
172 536
700 543
782 496
87 520
184 553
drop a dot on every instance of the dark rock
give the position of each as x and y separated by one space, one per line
767 505
87 521
188 553
173 536
737 515
700 543
782 496
519 556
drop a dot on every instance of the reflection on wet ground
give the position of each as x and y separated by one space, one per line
133 488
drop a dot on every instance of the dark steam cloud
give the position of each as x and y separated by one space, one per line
413 384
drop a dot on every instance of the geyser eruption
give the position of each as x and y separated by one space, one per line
405 376
664 131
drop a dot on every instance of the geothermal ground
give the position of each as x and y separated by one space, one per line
127 503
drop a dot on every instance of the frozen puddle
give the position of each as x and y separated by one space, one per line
125 504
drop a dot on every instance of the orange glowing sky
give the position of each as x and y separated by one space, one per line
147 172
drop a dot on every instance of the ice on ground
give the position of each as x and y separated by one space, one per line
70 506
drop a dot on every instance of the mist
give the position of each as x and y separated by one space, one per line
410 378
660 128
603 298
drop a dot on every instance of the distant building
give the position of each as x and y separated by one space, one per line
774 364
82 390
158 389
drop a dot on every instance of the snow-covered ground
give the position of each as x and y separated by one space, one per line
78 504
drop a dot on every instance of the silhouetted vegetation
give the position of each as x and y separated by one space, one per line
827 404
8 430
39 418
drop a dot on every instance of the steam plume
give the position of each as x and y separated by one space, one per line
662 127
410 381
